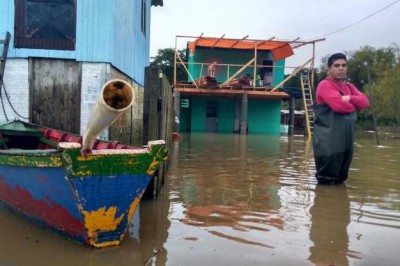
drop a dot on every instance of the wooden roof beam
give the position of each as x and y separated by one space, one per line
223 35
302 43
261 42
197 39
237 41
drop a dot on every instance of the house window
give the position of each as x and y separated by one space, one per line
45 24
143 18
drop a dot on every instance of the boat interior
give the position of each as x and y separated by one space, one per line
27 137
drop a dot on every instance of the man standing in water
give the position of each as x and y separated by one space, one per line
333 133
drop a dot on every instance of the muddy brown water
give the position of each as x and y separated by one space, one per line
244 200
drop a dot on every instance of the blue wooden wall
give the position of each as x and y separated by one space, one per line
107 31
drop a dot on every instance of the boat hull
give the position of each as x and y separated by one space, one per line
89 199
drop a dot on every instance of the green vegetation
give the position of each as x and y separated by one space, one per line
165 61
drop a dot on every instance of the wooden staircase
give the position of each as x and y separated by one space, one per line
3 58
307 102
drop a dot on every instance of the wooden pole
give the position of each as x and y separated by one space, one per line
372 104
291 116
255 66
291 75
312 67
243 125
187 71
175 66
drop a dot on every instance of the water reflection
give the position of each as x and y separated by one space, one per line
258 195
154 225
224 187
330 216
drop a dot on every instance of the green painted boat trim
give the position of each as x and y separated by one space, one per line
34 158
3 141
78 165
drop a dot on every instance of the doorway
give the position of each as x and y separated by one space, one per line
211 117
267 73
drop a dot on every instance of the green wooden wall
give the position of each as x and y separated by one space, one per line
226 115
263 116
198 117
230 57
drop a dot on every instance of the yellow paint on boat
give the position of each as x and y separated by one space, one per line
92 228
104 244
83 173
56 160
133 207
101 220
90 157
154 164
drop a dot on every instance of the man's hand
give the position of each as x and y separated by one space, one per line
346 98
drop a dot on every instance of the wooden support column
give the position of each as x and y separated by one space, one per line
255 67
158 117
291 116
151 106
236 119
177 110
243 125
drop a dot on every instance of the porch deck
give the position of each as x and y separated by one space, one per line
216 90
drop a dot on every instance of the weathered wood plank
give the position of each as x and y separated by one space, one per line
158 117
55 93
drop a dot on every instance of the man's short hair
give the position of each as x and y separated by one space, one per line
335 57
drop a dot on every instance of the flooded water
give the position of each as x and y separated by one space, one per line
245 200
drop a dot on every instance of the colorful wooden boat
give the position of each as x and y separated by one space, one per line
88 195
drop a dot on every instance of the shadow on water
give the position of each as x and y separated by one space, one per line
245 200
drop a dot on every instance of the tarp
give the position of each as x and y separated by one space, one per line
279 49
293 91
18 127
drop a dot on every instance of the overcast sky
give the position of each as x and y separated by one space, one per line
363 21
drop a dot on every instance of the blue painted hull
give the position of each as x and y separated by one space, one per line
88 199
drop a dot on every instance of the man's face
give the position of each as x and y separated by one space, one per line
338 70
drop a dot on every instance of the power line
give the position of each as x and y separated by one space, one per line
367 17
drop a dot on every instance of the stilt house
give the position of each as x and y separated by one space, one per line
235 85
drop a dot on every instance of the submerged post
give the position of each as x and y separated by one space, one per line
291 116
243 125
372 105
